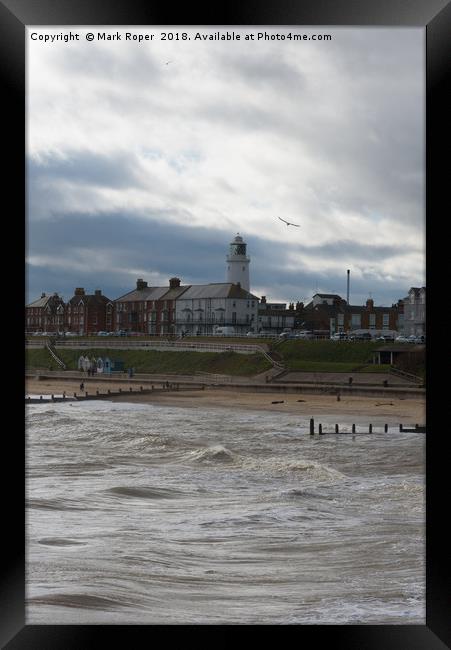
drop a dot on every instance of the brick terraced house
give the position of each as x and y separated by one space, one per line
89 313
46 314
148 310
330 312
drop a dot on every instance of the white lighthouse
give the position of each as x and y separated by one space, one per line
238 263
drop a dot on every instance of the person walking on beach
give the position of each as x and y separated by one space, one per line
82 385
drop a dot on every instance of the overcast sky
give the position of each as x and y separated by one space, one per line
141 169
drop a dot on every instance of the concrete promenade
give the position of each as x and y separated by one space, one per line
309 383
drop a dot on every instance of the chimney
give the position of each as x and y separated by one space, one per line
347 290
263 300
140 284
79 291
369 303
98 292
42 295
174 283
238 284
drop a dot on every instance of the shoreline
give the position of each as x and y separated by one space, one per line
381 410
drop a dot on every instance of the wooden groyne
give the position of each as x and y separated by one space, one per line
86 395
363 430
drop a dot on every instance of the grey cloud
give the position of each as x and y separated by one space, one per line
196 255
87 168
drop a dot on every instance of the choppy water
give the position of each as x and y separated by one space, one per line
148 514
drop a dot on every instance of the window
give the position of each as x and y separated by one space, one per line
355 320
385 321
372 321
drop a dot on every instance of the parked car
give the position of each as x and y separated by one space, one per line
416 339
401 339
102 334
304 335
339 336
363 336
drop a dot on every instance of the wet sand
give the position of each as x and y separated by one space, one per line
390 410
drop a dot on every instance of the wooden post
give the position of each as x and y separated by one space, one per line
86 393
131 389
40 396
400 428
75 394
141 388
53 399
109 392
312 426
97 392
353 428
336 429
120 390
370 429
385 428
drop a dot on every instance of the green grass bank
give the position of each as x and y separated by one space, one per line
154 361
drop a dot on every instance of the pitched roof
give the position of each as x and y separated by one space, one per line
148 293
44 300
89 299
328 295
217 290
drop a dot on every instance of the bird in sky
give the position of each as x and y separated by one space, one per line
168 62
289 224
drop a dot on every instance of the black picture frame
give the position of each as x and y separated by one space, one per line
435 17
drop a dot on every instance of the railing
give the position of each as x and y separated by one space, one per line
405 375
59 361
162 345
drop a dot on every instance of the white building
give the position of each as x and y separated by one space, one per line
415 312
202 309
238 264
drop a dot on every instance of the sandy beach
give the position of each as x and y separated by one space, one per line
390 410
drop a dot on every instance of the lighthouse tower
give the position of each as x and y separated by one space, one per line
238 263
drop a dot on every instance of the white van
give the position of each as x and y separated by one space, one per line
224 331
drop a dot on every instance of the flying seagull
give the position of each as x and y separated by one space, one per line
289 224
168 62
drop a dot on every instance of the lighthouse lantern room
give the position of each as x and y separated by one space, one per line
238 263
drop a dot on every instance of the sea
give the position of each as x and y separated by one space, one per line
149 514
